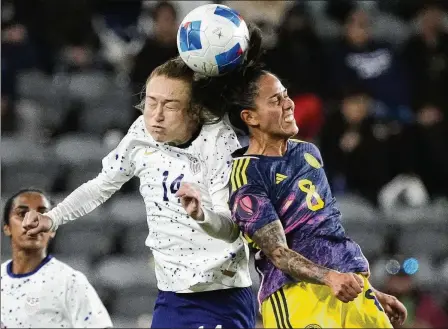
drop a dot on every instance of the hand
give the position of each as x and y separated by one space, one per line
344 286
35 223
394 309
191 201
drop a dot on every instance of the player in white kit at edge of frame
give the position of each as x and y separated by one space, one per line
38 290
201 265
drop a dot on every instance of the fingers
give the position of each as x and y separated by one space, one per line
350 287
187 189
359 280
34 231
31 220
399 311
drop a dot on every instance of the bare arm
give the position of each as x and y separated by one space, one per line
272 241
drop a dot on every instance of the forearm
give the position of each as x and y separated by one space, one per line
219 225
272 241
299 267
83 200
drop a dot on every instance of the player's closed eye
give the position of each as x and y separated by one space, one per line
170 108
280 99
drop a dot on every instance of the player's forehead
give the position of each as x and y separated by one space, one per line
31 200
164 88
269 85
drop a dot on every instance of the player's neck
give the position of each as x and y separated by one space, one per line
24 261
267 146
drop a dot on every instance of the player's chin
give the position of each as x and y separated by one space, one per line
290 130
159 137
32 245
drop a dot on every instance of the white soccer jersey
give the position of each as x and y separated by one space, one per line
52 296
187 259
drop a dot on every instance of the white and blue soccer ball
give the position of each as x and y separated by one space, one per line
213 39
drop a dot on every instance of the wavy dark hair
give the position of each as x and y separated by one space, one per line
235 91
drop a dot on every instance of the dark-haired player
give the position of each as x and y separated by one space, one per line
39 291
313 275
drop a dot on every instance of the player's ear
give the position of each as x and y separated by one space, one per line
52 235
6 230
249 117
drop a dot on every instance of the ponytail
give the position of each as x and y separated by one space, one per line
235 91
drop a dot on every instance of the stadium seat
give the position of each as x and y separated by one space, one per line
124 322
371 236
78 175
112 111
354 208
33 85
88 86
15 150
77 149
93 243
13 180
128 209
426 239
120 272
134 302
433 213
133 239
6 247
443 270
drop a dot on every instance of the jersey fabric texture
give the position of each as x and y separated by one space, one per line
187 259
294 189
54 295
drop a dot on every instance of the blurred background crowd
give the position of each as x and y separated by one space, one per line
370 84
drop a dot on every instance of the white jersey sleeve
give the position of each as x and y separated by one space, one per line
118 168
85 306
218 221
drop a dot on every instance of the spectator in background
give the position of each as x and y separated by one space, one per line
357 58
309 116
18 54
355 146
426 55
119 25
158 48
297 57
59 27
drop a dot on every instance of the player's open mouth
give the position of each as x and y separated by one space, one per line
289 118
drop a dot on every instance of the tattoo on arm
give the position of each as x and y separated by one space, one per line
272 241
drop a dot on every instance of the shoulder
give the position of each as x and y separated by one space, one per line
246 170
306 151
218 139
73 276
137 129
218 130
135 134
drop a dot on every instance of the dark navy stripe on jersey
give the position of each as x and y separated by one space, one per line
24 275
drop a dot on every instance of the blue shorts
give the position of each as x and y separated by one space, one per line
228 308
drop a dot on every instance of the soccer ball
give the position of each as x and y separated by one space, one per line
213 39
